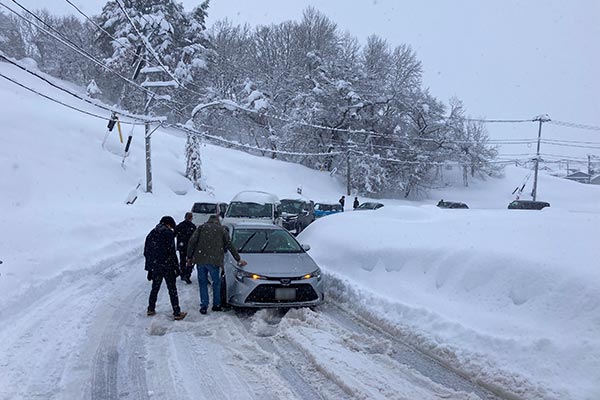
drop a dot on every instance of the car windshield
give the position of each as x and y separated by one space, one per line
328 207
367 206
291 206
204 208
249 210
265 241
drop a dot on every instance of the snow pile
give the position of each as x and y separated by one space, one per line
510 296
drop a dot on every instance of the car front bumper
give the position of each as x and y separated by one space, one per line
261 293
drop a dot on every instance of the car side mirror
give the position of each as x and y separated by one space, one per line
306 247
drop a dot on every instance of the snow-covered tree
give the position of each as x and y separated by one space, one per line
11 41
193 169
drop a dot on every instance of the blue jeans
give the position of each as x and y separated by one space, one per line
215 276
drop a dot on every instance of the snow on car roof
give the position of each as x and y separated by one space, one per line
255 197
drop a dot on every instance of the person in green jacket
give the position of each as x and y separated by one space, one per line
206 249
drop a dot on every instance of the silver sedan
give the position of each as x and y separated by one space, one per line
279 272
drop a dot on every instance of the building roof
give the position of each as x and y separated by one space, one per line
578 174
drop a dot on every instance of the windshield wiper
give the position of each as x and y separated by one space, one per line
246 242
262 250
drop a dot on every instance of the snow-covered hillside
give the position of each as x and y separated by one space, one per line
507 298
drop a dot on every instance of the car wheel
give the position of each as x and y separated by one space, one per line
299 228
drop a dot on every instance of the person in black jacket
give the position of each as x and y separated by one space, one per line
356 203
161 263
342 201
183 232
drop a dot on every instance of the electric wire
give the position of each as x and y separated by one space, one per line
575 125
54 100
87 100
373 133
107 33
74 47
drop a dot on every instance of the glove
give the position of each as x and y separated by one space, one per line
177 272
149 276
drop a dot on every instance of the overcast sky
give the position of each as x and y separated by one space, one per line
503 58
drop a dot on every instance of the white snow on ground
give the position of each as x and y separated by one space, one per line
508 297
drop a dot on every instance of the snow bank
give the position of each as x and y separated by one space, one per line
508 295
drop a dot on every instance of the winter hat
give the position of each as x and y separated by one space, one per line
168 220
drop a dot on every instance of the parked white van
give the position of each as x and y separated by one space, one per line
201 211
254 206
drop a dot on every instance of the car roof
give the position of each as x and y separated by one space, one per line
304 200
258 197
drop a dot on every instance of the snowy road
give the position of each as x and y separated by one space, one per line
86 336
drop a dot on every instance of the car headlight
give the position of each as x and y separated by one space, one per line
240 275
314 274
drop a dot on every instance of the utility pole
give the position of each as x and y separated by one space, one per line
348 172
589 168
541 119
147 135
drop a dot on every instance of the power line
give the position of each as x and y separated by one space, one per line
87 100
101 29
373 133
575 125
53 99
237 144
74 47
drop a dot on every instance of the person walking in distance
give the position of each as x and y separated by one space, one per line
356 203
342 201
206 249
161 263
183 232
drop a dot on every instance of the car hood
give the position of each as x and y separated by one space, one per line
278 265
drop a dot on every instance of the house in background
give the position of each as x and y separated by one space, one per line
578 176
595 180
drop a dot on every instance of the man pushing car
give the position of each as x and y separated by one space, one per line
206 249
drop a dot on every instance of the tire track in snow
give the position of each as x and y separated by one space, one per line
117 371
304 378
405 354
50 343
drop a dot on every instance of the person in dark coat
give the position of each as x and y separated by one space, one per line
356 203
183 232
206 249
161 263
342 201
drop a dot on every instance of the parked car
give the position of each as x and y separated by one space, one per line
201 211
254 206
323 209
369 206
527 205
279 272
297 214
451 204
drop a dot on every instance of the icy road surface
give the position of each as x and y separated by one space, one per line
87 336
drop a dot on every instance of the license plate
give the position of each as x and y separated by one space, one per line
285 294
